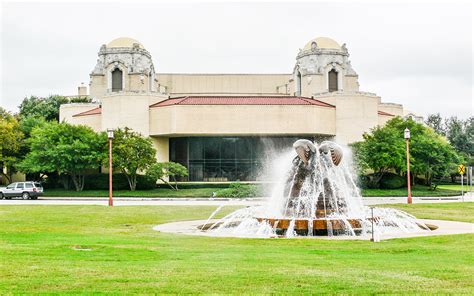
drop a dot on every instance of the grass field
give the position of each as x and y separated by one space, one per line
460 211
160 192
455 187
417 190
95 249
208 191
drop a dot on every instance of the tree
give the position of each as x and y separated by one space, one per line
435 121
460 134
65 149
167 170
132 153
29 123
383 150
47 108
11 139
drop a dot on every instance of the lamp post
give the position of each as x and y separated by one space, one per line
110 136
407 138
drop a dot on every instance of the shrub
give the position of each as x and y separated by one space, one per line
191 185
364 182
119 182
167 170
392 181
239 190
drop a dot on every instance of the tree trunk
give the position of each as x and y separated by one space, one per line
453 178
8 179
169 184
78 180
175 183
132 180
65 181
378 177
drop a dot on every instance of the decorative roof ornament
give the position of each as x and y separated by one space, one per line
344 48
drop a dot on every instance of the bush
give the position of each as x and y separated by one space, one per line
239 190
191 185
119 182
392 181
364 182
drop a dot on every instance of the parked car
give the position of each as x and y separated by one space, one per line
25 190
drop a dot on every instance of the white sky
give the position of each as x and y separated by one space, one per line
416 54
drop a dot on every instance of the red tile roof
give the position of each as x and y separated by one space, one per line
241 100
97 110
385 113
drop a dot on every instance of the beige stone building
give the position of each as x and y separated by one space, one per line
220 125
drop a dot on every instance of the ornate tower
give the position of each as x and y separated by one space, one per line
124 65
323 66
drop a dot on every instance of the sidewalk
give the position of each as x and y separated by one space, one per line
147 201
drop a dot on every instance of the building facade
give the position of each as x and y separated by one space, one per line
220 126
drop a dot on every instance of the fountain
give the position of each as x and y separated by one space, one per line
316 196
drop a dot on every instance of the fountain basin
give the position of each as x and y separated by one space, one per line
194 228
317 224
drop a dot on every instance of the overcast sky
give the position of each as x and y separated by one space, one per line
416 54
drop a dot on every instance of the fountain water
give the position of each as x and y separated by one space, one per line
316 196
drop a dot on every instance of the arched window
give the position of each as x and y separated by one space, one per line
117 80
332 80
298 83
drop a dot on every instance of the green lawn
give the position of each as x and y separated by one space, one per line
455 187
160 192
459 211
417 190
208 191
94 249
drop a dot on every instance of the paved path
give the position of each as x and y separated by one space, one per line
134 201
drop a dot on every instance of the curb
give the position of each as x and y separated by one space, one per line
155 198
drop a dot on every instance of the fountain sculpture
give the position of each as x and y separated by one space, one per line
317 196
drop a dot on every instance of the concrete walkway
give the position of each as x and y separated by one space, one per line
138 201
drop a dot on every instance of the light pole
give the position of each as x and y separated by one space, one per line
407 138
110 136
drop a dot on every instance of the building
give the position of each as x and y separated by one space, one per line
219 125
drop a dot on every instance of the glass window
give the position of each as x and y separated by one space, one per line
196 171
179 150
117 79
19 186
217 159
211 149
332 80
212 172
196 148
228 148
243 148
28 185
11 186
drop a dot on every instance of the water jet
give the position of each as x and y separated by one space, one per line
316 196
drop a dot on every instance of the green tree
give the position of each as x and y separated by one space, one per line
65 149
132 153
47 108
460 134
11 139
435 121
167 170
383 150
29 123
